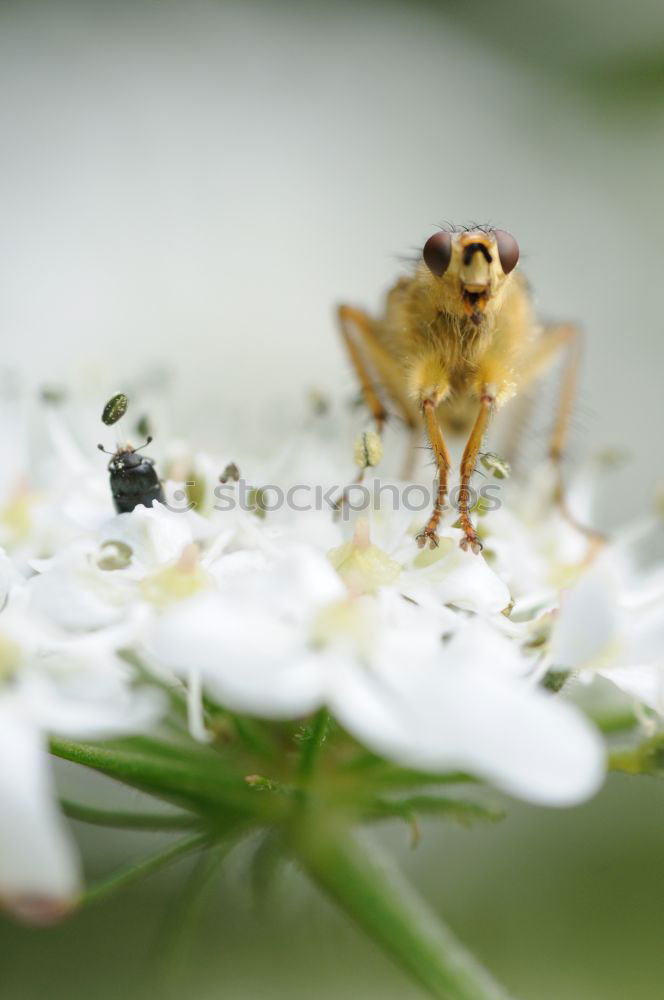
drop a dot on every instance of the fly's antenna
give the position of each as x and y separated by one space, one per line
101 448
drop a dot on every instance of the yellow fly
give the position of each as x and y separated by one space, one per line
457 339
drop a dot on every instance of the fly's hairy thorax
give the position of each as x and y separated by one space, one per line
425 325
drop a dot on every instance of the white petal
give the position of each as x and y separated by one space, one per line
249 662
588 622
95 707
392 524
460 578
643 639
80 600
311 527
9 577
362 701
80 689
480 644
526 742
39 872
234 565
530 743
645 683
154 534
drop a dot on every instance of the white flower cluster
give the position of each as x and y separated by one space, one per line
432 659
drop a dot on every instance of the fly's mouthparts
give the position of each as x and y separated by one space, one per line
474 302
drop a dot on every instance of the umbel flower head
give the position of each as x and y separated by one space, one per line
429 688
279 670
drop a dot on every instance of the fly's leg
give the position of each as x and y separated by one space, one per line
354 321
554 340
569 338
543 353
408 467
559 435
442 460
468 462
368 357
520 417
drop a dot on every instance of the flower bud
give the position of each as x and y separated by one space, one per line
368 450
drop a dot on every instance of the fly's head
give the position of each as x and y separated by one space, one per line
471 266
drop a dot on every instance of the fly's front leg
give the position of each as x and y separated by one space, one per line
374 367
364 346
354 323
442 460
468 462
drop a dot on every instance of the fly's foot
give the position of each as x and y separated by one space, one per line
470 540
428 535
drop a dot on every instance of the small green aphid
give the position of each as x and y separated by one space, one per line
114 409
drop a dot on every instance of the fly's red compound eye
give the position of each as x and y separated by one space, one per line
508 250
437 253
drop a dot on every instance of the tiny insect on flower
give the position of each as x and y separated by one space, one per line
133 477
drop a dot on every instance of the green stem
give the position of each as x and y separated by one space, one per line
175 693
645 758
463 810
138 870
616 722
199 785
372 891
183 917
264 866
382 772
312 745
128 820
627 761
255 736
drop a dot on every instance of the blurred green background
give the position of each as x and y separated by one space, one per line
560 905
198 183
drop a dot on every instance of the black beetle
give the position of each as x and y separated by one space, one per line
133 478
